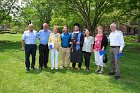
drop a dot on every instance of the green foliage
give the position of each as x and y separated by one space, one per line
37 12
88 13
7 7
17 29
14 30
138 38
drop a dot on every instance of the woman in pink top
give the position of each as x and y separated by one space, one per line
100 43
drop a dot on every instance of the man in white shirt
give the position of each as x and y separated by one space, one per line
29 38
116 46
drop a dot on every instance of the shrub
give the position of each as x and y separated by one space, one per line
16 29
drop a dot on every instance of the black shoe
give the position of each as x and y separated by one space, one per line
33 68
45 66
117 77
40 68
73 68
63 67
98 70
27 69
68 67
87 69
79 68
111 73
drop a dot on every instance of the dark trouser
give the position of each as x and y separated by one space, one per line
30 49
79 65
115 63
43 55
87 58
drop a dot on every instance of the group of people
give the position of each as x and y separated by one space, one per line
73 46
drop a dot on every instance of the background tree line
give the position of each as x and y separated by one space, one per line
89 13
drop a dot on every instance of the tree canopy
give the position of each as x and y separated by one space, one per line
89 13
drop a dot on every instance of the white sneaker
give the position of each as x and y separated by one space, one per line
56 68
52 68
101 72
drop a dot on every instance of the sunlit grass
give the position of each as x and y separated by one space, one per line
14 79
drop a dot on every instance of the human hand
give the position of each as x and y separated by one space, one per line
120 51
23 48
103 48
77 42
70 42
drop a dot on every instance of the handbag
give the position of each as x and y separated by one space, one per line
105 59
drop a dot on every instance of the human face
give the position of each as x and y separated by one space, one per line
76 28
65 29
55 30
45 26
113 27
100 30
30 27
87 33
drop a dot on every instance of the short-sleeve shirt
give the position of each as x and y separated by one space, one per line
87 46
29 37
43 36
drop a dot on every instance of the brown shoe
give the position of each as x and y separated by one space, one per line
79 68
73 68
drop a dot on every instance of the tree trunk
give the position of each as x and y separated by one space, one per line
139 31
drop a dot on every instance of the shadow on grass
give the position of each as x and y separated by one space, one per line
36 71
60 70
64 70
130 79
10 45
82 71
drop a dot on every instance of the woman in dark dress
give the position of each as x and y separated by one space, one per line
77 39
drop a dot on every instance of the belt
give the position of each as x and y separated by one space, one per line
65 47
115 46
30 44
44 45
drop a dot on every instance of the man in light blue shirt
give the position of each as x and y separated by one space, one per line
43 36
29 38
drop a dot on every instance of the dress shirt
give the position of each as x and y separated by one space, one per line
116 39
29 37
43 36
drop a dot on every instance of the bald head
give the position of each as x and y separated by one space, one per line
45 26
113 27
30 27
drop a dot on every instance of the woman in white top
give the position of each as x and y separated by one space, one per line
87 48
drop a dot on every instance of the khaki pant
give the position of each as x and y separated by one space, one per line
65 53
115 63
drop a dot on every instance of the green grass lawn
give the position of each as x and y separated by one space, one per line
15 79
